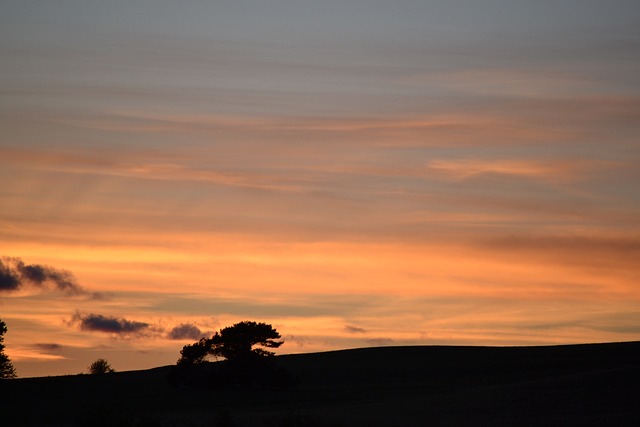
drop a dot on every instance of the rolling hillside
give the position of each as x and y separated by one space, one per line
594 384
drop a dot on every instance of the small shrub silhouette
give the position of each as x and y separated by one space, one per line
100 366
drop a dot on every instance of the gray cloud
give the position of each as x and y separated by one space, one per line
15 274
185 331
109 324
9 279
354 329
47 347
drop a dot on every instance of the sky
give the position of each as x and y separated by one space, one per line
355 173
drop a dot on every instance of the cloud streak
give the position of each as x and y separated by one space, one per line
354 329
545 170
47 347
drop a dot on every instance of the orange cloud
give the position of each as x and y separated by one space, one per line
550 170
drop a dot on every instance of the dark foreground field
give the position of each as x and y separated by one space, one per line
595 384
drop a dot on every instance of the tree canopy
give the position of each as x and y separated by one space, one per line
6 367
100 366
234 343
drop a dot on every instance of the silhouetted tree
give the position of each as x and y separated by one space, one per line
99 367
234 343
244 364
195 353
6 367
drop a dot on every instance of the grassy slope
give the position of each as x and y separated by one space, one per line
564 385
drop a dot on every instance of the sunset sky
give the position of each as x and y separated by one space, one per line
355 173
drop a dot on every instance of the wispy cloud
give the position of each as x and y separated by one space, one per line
162 168
551 170
47 347
610 254
354 329
21 354
543 81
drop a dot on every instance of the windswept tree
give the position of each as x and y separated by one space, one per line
100 366
195 353
245 347
6 367
234 343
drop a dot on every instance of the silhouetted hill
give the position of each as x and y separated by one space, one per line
595 384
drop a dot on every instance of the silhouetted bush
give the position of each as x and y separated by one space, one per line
100 366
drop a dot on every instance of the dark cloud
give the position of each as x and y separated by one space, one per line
354 329
9 280
47 347
109 324
185 331
15 274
